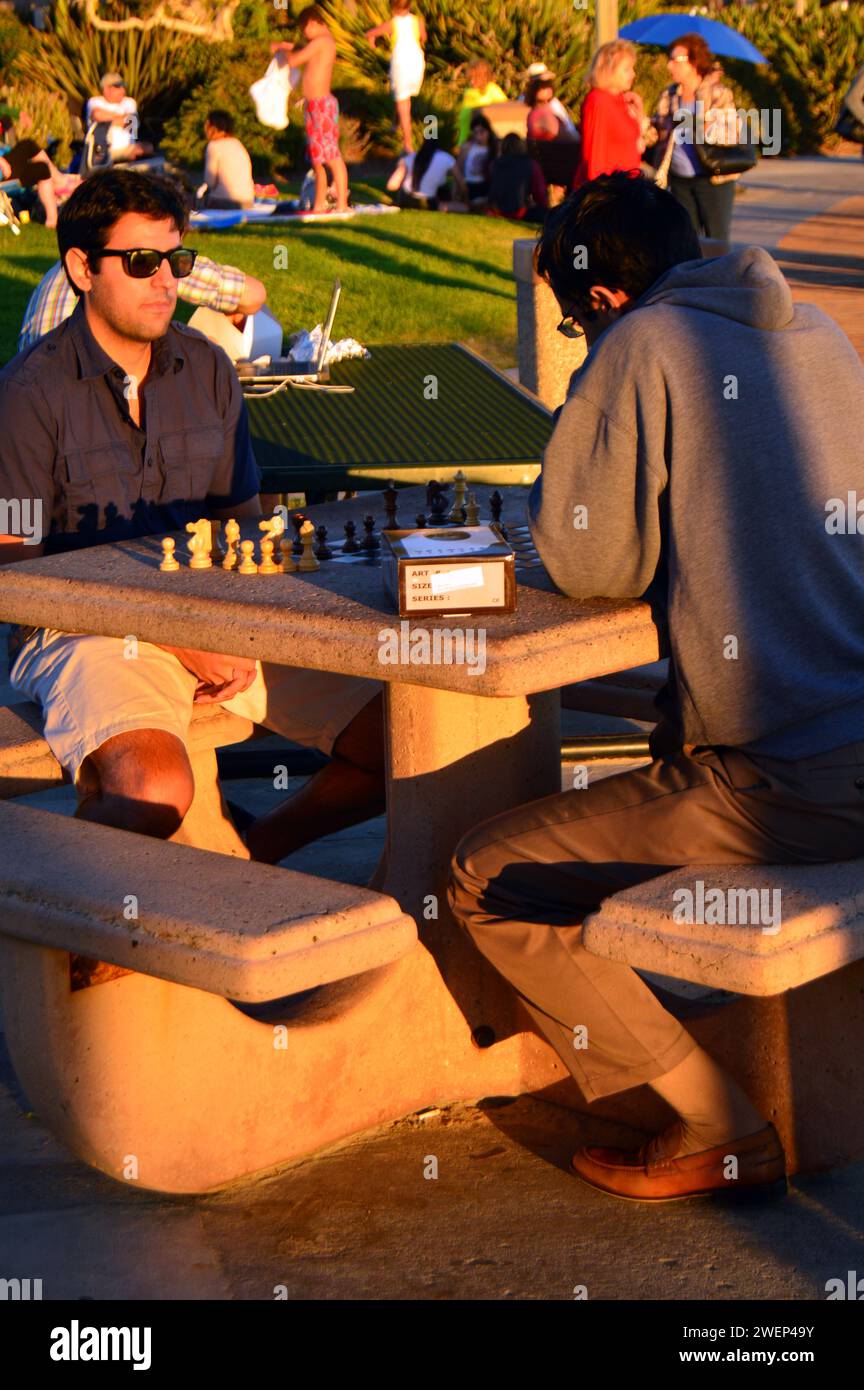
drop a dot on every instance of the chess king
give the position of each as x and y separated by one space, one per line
108 464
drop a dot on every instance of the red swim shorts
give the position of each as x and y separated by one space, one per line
322 128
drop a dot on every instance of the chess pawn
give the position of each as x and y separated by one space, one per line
322 549
351 545
168 560
232 536
247 564
457 511
198 545
472 510
297 521
370 541
420 520
268 564
307 560
289 564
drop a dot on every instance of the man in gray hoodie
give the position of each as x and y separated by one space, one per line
709 459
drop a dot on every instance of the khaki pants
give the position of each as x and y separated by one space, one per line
524 882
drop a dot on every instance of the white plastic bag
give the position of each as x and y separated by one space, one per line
272 93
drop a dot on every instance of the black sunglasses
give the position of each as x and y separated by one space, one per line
142 262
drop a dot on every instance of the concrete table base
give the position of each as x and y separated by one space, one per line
178 1090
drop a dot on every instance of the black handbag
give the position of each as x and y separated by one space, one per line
726 159
849 127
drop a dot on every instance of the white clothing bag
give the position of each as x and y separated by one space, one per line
272 93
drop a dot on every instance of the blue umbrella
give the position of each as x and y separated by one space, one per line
663 29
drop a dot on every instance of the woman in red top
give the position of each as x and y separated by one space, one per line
612 114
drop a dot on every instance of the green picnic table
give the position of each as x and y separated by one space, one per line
416 413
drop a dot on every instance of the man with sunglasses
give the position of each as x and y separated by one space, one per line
120 423
700 461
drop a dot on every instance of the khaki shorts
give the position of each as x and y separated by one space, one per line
92 688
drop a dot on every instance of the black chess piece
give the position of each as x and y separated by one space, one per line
370 541
421 521
390 494
322 549
297 545
496 506
436 495
351 546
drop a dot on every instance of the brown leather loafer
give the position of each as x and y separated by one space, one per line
653 1173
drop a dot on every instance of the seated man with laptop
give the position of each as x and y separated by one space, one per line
120 423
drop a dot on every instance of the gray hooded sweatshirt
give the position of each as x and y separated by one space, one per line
715 440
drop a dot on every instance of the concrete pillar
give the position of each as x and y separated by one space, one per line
606 21
470 757
547 359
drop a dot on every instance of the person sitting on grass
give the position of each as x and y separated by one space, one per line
321 108
543 122
481 91
473 167
712 427
227 166
119 113
517 187
27 162
419 178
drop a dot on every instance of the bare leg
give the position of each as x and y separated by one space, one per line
141 781
340 178
45 191
349 790
320 172
403 110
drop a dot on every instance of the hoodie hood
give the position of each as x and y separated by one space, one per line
746 286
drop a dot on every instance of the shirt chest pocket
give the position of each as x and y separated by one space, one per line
102 485
189 460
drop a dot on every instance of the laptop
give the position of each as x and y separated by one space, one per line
280 368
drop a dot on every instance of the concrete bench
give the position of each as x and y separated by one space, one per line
794 1035
156 1071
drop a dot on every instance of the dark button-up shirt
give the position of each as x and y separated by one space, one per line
67 438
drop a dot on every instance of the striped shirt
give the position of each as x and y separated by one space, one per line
217 286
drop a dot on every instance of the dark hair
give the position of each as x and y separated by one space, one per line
422 160
480 120
632 232
86 219
512 144
311 12
222 120
534 86
698 52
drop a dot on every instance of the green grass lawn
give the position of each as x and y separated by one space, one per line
418 277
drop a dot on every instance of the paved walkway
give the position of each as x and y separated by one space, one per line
810 214
504 1219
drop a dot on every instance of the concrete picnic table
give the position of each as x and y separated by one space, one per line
461 745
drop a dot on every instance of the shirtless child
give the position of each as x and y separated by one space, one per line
320 106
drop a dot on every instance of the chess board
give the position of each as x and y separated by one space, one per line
519 537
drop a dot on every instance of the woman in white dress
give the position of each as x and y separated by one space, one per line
407 62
